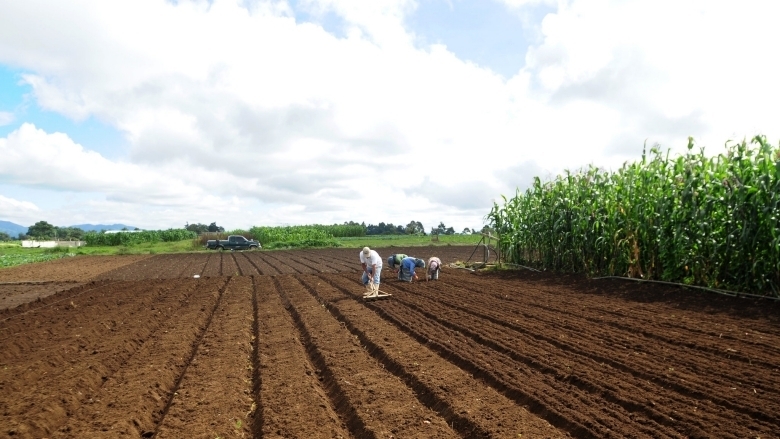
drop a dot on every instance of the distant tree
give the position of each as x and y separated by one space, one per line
124 229
415 228
41 230
5 236
197 228
385 229
69 233
213 227
136 229
449 231
22 236
466 231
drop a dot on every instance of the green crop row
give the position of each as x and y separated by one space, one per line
709 221
10 260
131 238
293 236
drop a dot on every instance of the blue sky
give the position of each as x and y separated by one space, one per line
17 98
150 113
483 32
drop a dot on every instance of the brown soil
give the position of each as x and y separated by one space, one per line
13 294
77 268
281 344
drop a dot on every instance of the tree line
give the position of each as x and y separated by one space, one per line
412 228
43 230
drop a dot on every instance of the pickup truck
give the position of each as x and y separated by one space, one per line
234 242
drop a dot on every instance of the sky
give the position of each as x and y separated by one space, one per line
159 113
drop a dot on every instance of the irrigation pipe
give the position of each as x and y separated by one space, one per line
521 266
712 290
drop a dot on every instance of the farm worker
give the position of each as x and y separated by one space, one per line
408 265
394 260
372 268
434 265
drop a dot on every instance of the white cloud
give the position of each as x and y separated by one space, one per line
19 211
6 118
220 101
13 209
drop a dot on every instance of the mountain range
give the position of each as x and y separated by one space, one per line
14 230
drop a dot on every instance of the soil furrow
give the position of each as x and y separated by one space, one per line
274 264
724 326
93 355
288 385
205 264
53 334
544 320
213 266
245 266
289 268
196 345
303 265
229 266
502 374
299 353
471 408
351 376
547 355
333 263
216 387
251 263
256 421
133 402
262 266
79 268
10 318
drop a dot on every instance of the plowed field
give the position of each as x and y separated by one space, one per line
281 344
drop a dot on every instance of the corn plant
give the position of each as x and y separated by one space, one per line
710 221
132 238
293 236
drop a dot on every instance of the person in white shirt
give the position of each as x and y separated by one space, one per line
372 268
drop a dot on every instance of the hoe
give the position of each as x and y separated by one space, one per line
373 293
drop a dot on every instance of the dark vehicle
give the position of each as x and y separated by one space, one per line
234 242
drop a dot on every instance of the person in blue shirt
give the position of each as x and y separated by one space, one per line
408 265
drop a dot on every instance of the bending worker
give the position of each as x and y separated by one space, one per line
372 268
394 260
434 265
408 265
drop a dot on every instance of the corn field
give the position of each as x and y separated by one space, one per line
698 220
293 236
130 238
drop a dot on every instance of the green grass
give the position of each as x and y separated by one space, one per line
14 254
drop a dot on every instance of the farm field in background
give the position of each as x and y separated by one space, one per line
280 344
12 254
